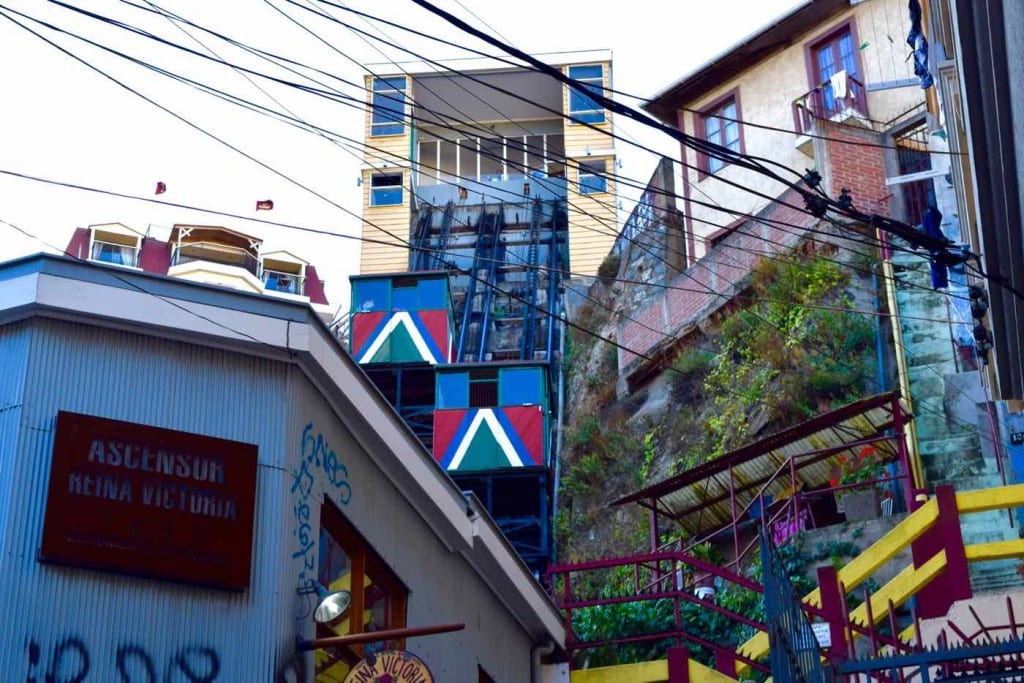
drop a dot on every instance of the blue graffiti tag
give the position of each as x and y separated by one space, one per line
70 662
315 454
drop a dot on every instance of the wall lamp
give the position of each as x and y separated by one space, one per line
332 606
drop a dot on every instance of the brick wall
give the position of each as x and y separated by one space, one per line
711 283
858 167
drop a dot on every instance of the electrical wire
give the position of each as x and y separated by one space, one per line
194 82
567 161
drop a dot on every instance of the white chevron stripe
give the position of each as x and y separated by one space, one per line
486 415
399 318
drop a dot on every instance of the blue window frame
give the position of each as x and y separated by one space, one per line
386 189
389 100
582 106
370 295
520 386
433 293
452 390
405 298
593 177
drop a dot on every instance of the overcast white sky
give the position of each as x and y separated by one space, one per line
62 121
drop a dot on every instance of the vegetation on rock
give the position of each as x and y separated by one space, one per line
788 348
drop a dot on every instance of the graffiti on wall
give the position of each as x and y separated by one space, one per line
316 456
71 660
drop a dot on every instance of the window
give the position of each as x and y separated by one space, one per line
721 127
593 177
452 390
520 386
117 254
912 157
483 388
386 189
277 281
582 106
378 598
370 295
388 116
836 52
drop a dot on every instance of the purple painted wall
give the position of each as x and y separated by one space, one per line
78 247
155 256
314 286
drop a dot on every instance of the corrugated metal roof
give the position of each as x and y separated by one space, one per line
700 499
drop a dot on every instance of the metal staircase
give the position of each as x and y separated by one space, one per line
529 331
427 252
476 309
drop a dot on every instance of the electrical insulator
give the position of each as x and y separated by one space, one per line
979 301
845 200
983 342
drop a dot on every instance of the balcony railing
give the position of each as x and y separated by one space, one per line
277 281
118 254
823 103
216 253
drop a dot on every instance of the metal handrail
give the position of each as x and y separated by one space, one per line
216 253
819 103
293 282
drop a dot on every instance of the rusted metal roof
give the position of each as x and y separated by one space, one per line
701 499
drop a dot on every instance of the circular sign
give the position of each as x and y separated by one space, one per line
390 666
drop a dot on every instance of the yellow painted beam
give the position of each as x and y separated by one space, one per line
643 672
997 550
646 672
863 566
996 498
900 589
859 569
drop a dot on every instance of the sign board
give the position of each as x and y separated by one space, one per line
395 666
823 632
142 500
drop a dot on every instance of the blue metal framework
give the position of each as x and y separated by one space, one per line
410 389
504 307
486 254
518 502
794 655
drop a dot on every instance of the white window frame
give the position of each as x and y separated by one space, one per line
592 116
386 126
382 176
602 177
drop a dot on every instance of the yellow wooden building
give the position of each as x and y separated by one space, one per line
480 132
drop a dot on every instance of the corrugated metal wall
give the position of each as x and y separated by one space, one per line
14 343
68 624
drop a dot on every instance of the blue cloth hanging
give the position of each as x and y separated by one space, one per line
919 44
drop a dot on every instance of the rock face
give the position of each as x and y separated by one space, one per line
786 340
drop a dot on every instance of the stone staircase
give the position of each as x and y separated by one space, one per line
946 414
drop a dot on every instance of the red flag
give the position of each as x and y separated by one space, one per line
264 205
161 187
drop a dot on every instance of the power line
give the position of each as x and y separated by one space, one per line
615 91
351 102
631 351
236 100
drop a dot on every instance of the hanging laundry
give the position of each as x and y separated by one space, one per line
839 84
919 44
264 205
161 187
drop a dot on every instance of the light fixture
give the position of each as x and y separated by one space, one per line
332 606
